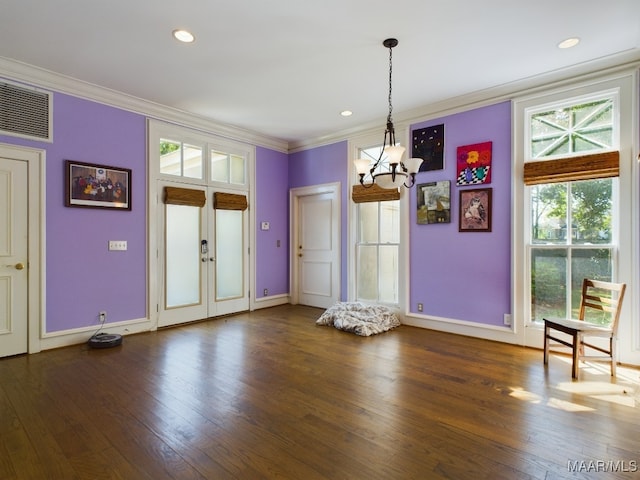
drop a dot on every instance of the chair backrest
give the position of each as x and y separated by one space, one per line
604 297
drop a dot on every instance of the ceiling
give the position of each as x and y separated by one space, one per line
287 68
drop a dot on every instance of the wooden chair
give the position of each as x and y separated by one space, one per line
601 297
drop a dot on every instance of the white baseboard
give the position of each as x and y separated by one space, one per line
461 327
76 336
272 301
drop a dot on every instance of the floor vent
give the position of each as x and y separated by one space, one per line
25 112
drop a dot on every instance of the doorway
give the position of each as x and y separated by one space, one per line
315 253
203 253
21 220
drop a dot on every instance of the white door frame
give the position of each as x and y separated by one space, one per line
295 194
35 159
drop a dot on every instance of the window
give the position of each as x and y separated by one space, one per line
227 168
180 159
572 224
377 247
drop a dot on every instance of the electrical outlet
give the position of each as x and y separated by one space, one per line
507 319
265 292
420 307
102 316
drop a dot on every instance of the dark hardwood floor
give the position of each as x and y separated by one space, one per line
271 395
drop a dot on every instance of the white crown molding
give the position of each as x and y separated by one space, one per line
596 68
42 78
39 77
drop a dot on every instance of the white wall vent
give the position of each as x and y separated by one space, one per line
25 112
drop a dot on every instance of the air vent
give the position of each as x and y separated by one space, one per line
25 112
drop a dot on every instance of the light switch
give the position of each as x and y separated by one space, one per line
120 245
265 226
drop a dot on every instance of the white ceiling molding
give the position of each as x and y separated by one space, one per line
38 77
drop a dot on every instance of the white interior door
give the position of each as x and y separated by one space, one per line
13 257
317 250
204 260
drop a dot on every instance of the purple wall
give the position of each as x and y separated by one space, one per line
82 276
272 205
326 164
455 275
466 276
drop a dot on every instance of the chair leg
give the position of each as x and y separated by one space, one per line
574 366
546 344
612 349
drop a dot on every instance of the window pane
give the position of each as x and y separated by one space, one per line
368 222
388 274
170 157
192 161
219 167
591 211
549 213
237 170
182 256
372 154
367 273
548 283
390 222
583 127
229 254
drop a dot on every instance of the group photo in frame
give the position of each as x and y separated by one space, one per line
97 186
475 210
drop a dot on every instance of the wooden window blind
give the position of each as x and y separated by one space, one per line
374 193
184 196
229 201
585 167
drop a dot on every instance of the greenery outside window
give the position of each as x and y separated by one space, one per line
572 222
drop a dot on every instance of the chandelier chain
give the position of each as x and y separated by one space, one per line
390 73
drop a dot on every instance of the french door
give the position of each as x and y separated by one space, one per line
202 255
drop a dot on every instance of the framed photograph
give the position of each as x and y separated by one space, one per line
97 186
434 202
475 210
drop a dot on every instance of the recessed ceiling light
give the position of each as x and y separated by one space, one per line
183 36
346 113
569 42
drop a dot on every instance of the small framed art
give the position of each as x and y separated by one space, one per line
434 202
475 210
97 186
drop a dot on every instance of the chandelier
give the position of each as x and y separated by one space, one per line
394 173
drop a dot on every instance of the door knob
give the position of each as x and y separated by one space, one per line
299 254
19 266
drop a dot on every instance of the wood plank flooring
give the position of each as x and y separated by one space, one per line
270 395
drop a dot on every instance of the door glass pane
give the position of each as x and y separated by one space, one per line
388 280
367 273
237 170
219 167
182 256
192 161
229 254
